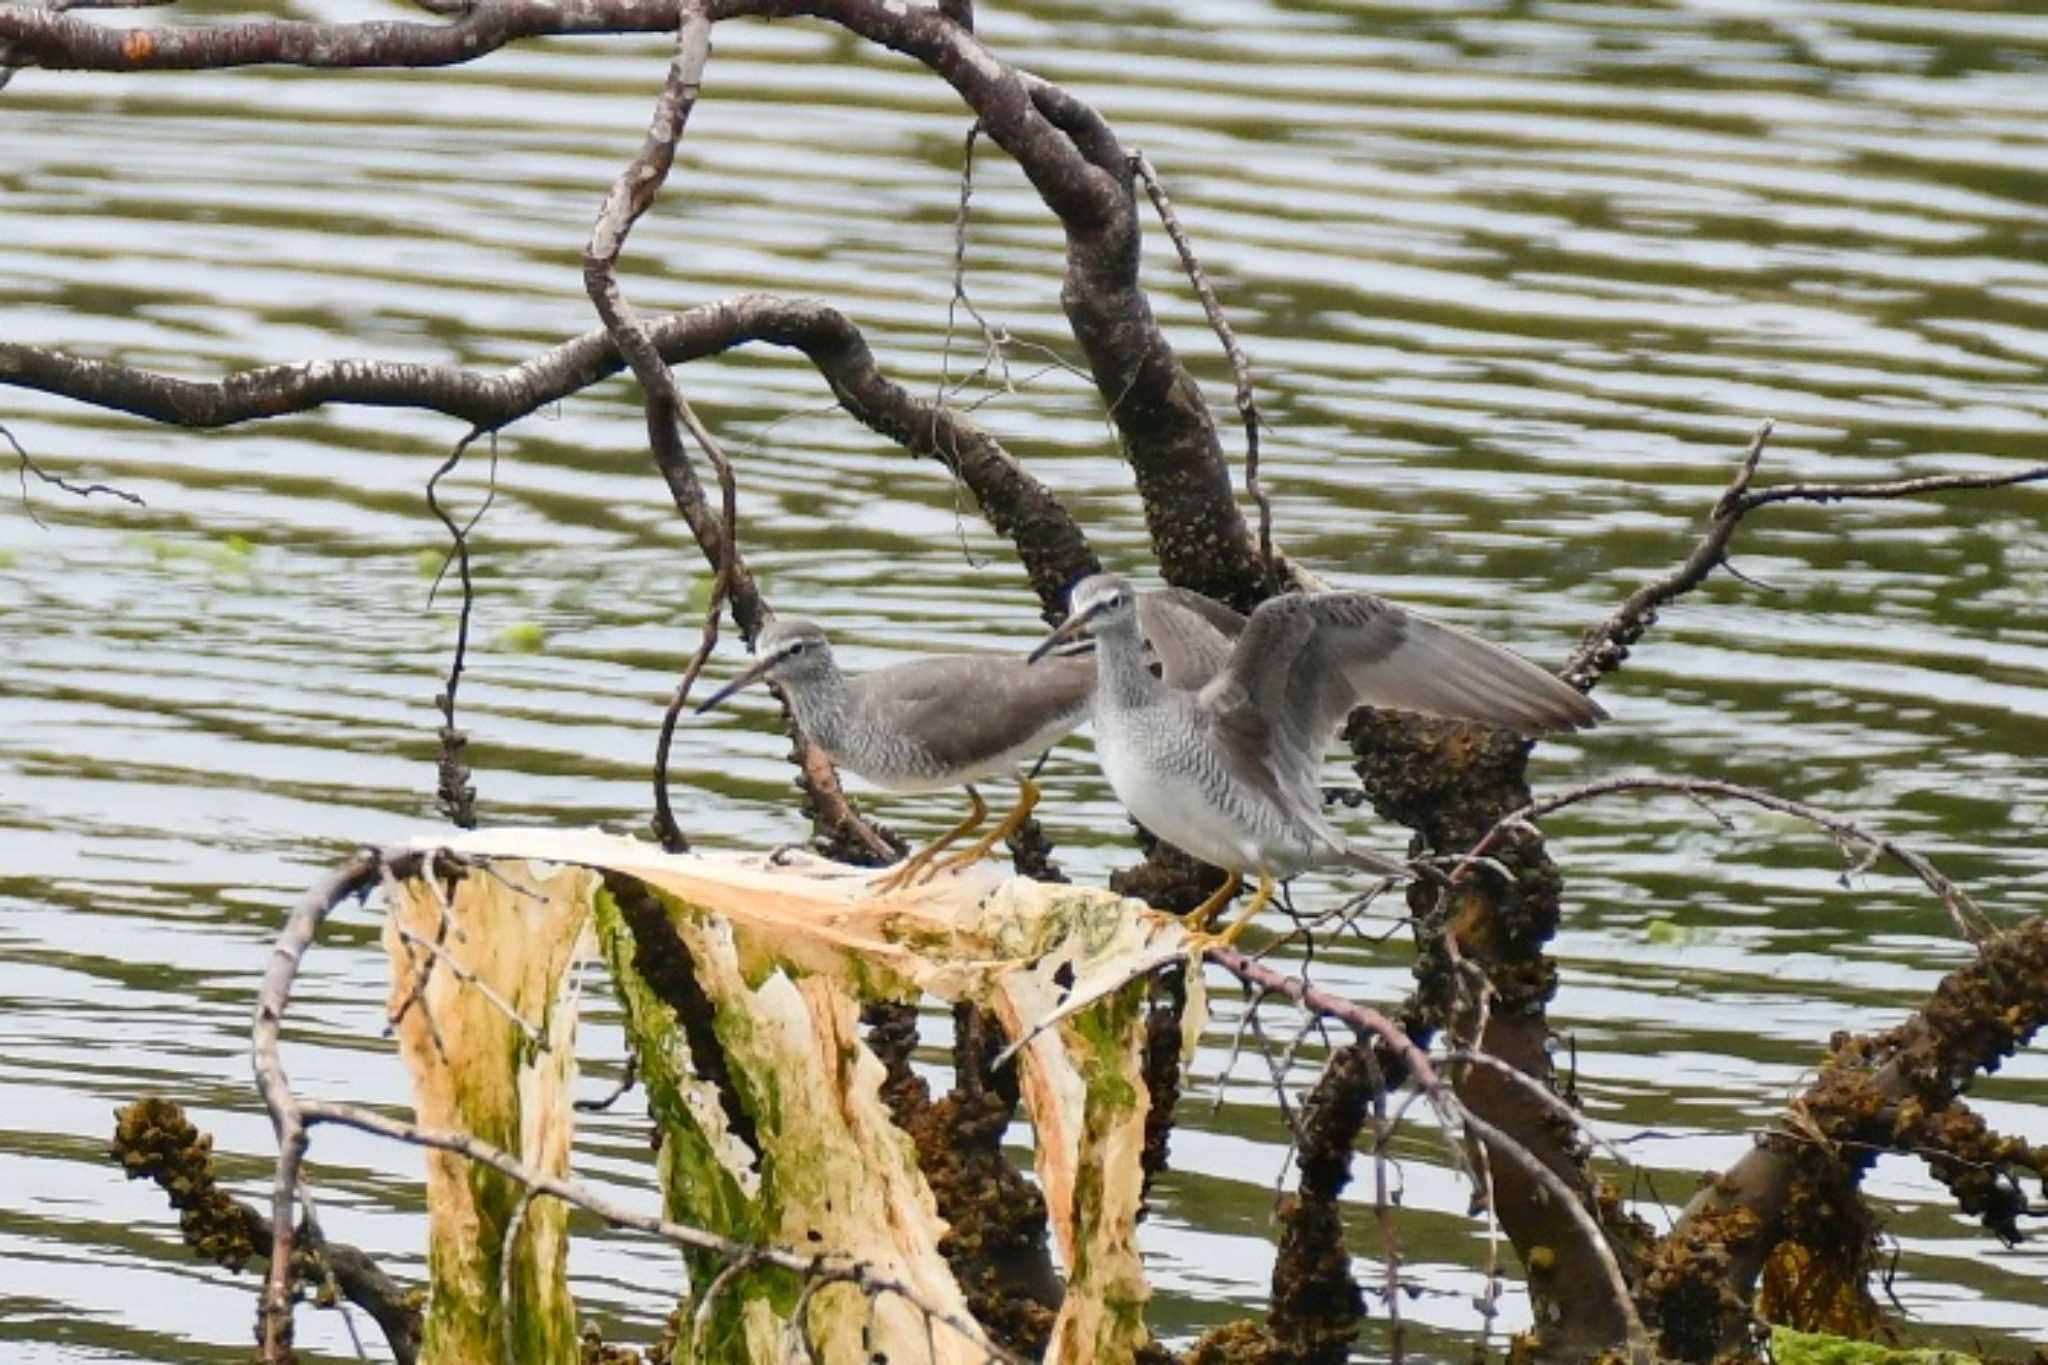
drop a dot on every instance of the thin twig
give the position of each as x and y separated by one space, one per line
994 339
1383 1213
1555 1104
1606 645
700 1321
631 194
534 1037
455 788
1240 363
1969 918
539 1183
28 466
627 1078
665 826
1370 1023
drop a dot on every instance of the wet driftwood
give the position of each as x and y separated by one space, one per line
487 1032
745 980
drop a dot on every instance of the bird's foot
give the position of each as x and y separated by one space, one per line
1200 941
904 875
1201 938
969 856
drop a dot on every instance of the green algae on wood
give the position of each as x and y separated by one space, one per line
1813 1348
466 958
743 979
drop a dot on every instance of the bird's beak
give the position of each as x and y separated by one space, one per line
760 668
1069 628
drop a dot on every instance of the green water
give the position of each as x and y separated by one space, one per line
1519 281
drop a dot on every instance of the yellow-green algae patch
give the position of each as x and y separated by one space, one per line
486 1028
743 982
1814 1348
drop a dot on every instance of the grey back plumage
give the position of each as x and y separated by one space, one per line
925 723
964 713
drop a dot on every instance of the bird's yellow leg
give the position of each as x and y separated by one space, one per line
905 872
1027 798
1228 938
1204 912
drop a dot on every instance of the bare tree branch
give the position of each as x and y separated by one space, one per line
1368 1024
631 195
1050 544
352 878
1607 644
1969 918
58 42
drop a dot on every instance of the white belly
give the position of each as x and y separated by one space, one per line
1178 809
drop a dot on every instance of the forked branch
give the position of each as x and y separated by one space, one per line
1607 644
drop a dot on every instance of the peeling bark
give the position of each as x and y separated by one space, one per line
488 1035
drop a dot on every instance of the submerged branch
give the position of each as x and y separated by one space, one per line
1892 1091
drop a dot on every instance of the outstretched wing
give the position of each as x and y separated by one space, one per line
1190 635
1306 660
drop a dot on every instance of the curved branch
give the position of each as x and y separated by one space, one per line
352 878
1073 159
1066 149
1051 544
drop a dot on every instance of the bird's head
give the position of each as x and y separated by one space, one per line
791 653
1100 604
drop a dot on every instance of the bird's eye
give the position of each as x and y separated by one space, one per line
796 649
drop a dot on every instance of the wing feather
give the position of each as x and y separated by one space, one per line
1304 661
967 709
1190 635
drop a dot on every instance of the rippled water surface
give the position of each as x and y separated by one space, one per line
1519 279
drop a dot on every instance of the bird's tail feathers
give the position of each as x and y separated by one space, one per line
1365 860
